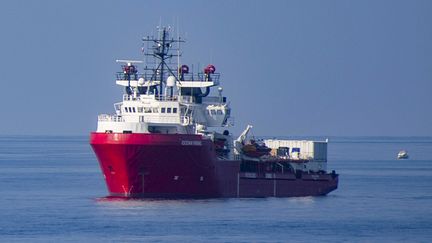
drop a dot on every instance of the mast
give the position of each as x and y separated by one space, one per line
160 50
162 57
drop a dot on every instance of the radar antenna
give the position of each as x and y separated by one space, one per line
161 50
129 70
129 62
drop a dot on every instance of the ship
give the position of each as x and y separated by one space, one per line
403 154
170 138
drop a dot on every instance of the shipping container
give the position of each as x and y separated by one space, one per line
301 149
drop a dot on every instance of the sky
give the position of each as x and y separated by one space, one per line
318 68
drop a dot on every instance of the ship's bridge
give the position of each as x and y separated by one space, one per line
183 105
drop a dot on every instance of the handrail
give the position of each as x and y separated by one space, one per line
110 118
149 119
166 98
183 99
200 77
123 76
127 97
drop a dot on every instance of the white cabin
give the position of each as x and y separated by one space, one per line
179 110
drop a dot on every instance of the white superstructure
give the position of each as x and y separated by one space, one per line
143 112
179 104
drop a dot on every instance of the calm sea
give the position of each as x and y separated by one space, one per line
51 190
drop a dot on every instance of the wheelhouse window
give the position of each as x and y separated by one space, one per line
163 110
133 109
140 110
174 110
168 110
155 110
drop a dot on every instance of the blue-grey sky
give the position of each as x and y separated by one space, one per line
288 67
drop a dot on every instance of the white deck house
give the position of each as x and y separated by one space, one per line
183 108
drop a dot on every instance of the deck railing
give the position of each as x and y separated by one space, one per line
183 99
199 77
149 119
110 118
127 97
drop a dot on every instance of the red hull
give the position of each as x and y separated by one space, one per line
186 166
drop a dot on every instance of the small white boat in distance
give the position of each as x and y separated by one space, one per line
403 154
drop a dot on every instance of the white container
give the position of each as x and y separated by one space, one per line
311 150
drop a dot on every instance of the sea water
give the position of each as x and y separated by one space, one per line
51 190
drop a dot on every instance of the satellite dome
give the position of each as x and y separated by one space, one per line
140 81
170 82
